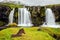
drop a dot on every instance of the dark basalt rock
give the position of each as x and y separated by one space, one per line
4 13
3 27
37 15
57 37
56 10
20 32
16 15
54 36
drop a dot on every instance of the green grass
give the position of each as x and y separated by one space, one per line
52 31
30 34
12 5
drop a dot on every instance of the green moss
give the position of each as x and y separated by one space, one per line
5 35
12 5
52 5
30 34
2 23
52 31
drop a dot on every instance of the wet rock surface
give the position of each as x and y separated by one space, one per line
56 10
4 13
37 15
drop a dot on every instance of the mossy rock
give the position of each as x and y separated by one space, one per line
12 25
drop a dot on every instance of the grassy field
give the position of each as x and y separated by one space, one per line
30 33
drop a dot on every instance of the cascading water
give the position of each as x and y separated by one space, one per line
50 19
24 17
11 16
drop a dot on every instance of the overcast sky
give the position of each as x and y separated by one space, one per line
34 2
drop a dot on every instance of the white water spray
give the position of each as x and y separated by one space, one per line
11 16
24 17
50 19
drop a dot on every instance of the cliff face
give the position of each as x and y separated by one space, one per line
4 13
56 10
5 9
37 13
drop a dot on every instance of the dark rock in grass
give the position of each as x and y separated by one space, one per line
54 36
20 32
58 38
39 29
3 27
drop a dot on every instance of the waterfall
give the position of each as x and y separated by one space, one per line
24 17
11 16
50 19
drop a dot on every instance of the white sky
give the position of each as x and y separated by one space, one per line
1 0
35 2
